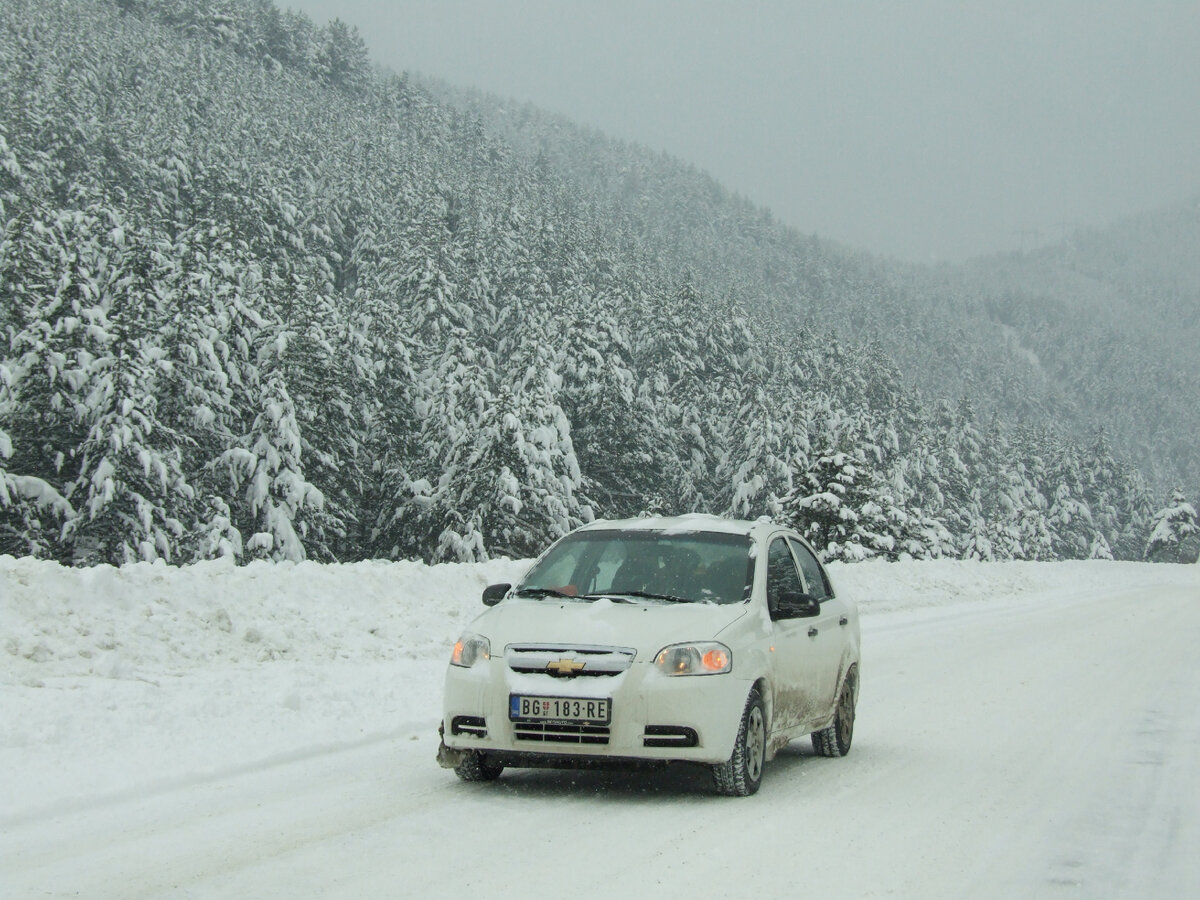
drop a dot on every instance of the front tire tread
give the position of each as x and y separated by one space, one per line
741 774
475 767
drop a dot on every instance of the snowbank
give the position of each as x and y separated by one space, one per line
881 586
148 620
152 619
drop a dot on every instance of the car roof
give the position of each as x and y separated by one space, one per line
685 524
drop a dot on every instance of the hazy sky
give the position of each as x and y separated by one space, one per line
919 129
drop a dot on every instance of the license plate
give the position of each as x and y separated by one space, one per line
560 709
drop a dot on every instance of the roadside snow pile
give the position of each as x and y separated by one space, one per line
145 620
881 586
118 622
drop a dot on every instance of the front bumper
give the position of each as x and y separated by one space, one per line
653 716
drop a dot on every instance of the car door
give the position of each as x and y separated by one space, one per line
829 643
793 654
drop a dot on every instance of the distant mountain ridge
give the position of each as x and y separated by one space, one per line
1082 331
1113 315
265 301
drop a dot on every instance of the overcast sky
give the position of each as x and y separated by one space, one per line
920 129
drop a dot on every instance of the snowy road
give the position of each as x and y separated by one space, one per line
1043 746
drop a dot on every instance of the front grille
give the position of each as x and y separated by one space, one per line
670 736
469 725
541 659
558 733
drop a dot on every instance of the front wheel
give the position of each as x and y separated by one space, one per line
741 774
475 767
835 740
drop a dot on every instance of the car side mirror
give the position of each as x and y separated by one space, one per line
494 593
794 605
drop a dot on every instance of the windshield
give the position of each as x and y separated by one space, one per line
693 567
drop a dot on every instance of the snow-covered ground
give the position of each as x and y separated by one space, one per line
1025 729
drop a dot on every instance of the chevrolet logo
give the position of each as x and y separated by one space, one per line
564 667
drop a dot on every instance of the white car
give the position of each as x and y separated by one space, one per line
693 639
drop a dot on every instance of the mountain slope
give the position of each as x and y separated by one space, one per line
1081 333
261 301
1113 317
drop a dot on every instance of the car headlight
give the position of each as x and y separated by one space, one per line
469 649
708 658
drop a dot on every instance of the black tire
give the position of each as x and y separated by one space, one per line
835 740
475 767
741 774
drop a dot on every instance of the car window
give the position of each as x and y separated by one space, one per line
694 566
814 576
560 571
781 573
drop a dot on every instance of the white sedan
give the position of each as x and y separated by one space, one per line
691 639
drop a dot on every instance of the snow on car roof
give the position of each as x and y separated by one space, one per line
685 524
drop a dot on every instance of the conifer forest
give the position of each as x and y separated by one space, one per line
262 299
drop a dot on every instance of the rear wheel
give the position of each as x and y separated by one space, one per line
835 740
741 774
475 767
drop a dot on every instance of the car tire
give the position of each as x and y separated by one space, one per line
741 774
835 739
475 767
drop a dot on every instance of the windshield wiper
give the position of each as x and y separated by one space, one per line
641 595
540 592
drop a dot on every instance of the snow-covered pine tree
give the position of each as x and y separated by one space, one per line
83 387
275 503
915 481
32 510
342 59
1074 530
1073 534
824 504
1119 500
1016 520
1015 510
380 344
958 449
1099 477
1175 535
613 428
691 352
766 438
836 503
520 476
202 283
1100 548
131 490
509 475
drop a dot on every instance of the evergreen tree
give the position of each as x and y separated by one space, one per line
1173 537
837 503
614 430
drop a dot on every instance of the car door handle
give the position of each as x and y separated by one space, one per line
812 632
843 621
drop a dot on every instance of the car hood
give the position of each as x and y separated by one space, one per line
644 627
